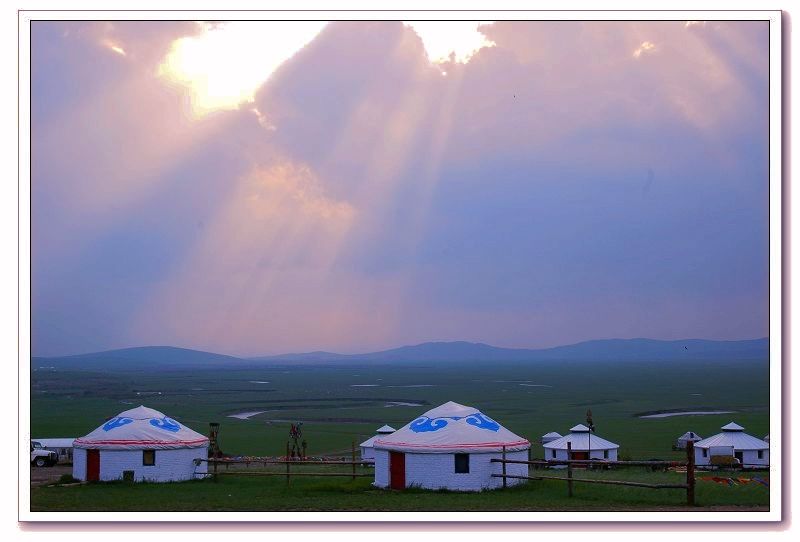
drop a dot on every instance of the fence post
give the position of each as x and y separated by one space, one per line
215 470
690 473
504 467
287 464
569 469
353 457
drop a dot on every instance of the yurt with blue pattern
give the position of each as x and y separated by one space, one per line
140 444
449 447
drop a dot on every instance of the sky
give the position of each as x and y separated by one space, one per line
255 188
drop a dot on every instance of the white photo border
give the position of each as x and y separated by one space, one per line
775 513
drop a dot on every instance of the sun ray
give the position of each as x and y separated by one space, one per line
226 63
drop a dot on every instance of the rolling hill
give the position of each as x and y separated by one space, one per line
172 358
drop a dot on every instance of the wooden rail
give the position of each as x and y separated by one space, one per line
283 461
288 463
597 462
592 481
688 486
245 473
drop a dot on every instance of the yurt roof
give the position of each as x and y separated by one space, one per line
140 428
551 434
385 430
370 442
452 428
733 435
581 439
580 428
690 435
732 427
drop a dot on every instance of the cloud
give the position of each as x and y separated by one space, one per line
450 41
643 48
364 200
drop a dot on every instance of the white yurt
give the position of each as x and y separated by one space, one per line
367 449
448 447
733 441
584 444
550 437
140 444
688 436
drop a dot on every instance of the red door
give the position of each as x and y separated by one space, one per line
397 470
580 455
92 465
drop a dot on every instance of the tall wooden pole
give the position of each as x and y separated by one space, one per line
690 473
569 469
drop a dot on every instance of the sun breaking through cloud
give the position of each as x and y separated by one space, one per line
225 64
451 40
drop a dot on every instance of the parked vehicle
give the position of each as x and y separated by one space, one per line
41 457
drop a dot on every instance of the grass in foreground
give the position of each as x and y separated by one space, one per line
242 494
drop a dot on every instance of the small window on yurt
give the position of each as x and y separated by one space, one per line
148 458
705 452
462 463
605 454
761 454
554 453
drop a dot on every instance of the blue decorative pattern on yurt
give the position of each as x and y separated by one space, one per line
166 423
479 420
115 422
482 421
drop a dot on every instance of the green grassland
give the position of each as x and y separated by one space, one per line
244 493
338 410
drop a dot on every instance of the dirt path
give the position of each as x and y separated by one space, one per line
45 475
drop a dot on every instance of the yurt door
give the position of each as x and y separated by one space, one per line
397 470
92 465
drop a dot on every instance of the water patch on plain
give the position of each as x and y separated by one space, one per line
412 386
537 385
390 404
246 415
689 413
364 385
258 381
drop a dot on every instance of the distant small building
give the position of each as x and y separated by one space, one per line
583 445
61 446
550 437
688 436
367 447
766 438
733 441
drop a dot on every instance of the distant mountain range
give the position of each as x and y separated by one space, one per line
168 357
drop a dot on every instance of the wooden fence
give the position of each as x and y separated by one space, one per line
288 462
688 486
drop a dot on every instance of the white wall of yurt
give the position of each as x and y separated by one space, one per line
437 471
170 465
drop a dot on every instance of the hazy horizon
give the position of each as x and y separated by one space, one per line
393 347
264 188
